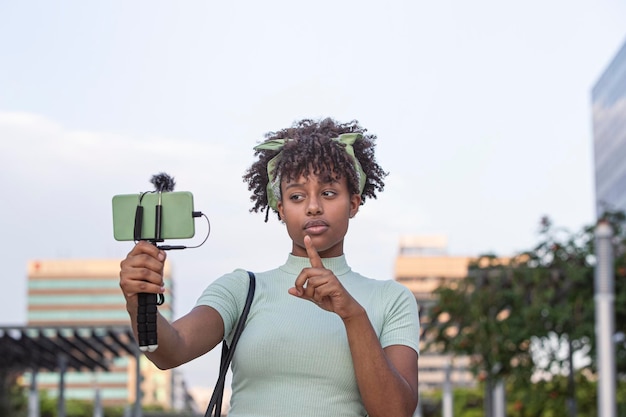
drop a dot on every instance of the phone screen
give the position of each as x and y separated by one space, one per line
177 215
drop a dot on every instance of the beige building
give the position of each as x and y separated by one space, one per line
423 265
87 293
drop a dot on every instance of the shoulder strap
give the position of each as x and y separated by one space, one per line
227 353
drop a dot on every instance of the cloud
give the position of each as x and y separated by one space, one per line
60 183
42 151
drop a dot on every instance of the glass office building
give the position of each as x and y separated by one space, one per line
609 135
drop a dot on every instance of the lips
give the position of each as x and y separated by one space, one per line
315 226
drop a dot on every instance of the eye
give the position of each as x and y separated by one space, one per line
296 197
329 193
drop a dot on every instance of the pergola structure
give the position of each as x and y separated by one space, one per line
63 348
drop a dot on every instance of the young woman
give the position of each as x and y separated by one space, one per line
320 338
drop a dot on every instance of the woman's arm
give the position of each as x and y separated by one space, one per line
186 338
387 378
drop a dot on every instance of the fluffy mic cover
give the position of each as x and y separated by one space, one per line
163 182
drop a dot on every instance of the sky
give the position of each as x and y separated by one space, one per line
482 112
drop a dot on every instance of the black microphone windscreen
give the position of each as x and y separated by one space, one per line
163 182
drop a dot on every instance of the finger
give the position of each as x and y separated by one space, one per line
304 284
135 280
132 288
316 285
298 285
146 255
314 257
142 267
142 270
149 249
307 293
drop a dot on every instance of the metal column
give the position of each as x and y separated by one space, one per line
33 395
62 359
605 319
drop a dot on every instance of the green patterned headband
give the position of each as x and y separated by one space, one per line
273 185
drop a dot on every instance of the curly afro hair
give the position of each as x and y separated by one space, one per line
311 150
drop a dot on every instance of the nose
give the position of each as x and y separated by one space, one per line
314 206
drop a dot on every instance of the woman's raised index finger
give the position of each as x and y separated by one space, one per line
314 257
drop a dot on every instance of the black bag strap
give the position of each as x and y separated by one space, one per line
227 354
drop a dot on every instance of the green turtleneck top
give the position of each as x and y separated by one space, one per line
293 357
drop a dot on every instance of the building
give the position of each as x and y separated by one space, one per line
87 293
609 135
423 265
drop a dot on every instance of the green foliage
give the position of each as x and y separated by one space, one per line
548 398
539 399
78 408
48 407
114 411
13 399
618 222
15 403
483 317
533 313
19 400
564 307
466 403
542 298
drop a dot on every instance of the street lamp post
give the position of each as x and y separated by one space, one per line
604 298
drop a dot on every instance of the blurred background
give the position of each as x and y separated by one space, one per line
483 112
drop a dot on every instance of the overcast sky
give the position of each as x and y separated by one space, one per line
482 111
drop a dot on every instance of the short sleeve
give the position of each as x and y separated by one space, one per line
401 324
227 295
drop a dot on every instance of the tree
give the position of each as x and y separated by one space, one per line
532 315
564 261
481 317
13 401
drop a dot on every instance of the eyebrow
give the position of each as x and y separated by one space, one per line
293 185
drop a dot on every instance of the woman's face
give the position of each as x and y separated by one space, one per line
320 210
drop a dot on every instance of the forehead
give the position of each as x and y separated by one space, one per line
324 178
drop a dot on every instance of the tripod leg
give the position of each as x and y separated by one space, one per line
146 322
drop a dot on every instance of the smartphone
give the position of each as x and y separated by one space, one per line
177 220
